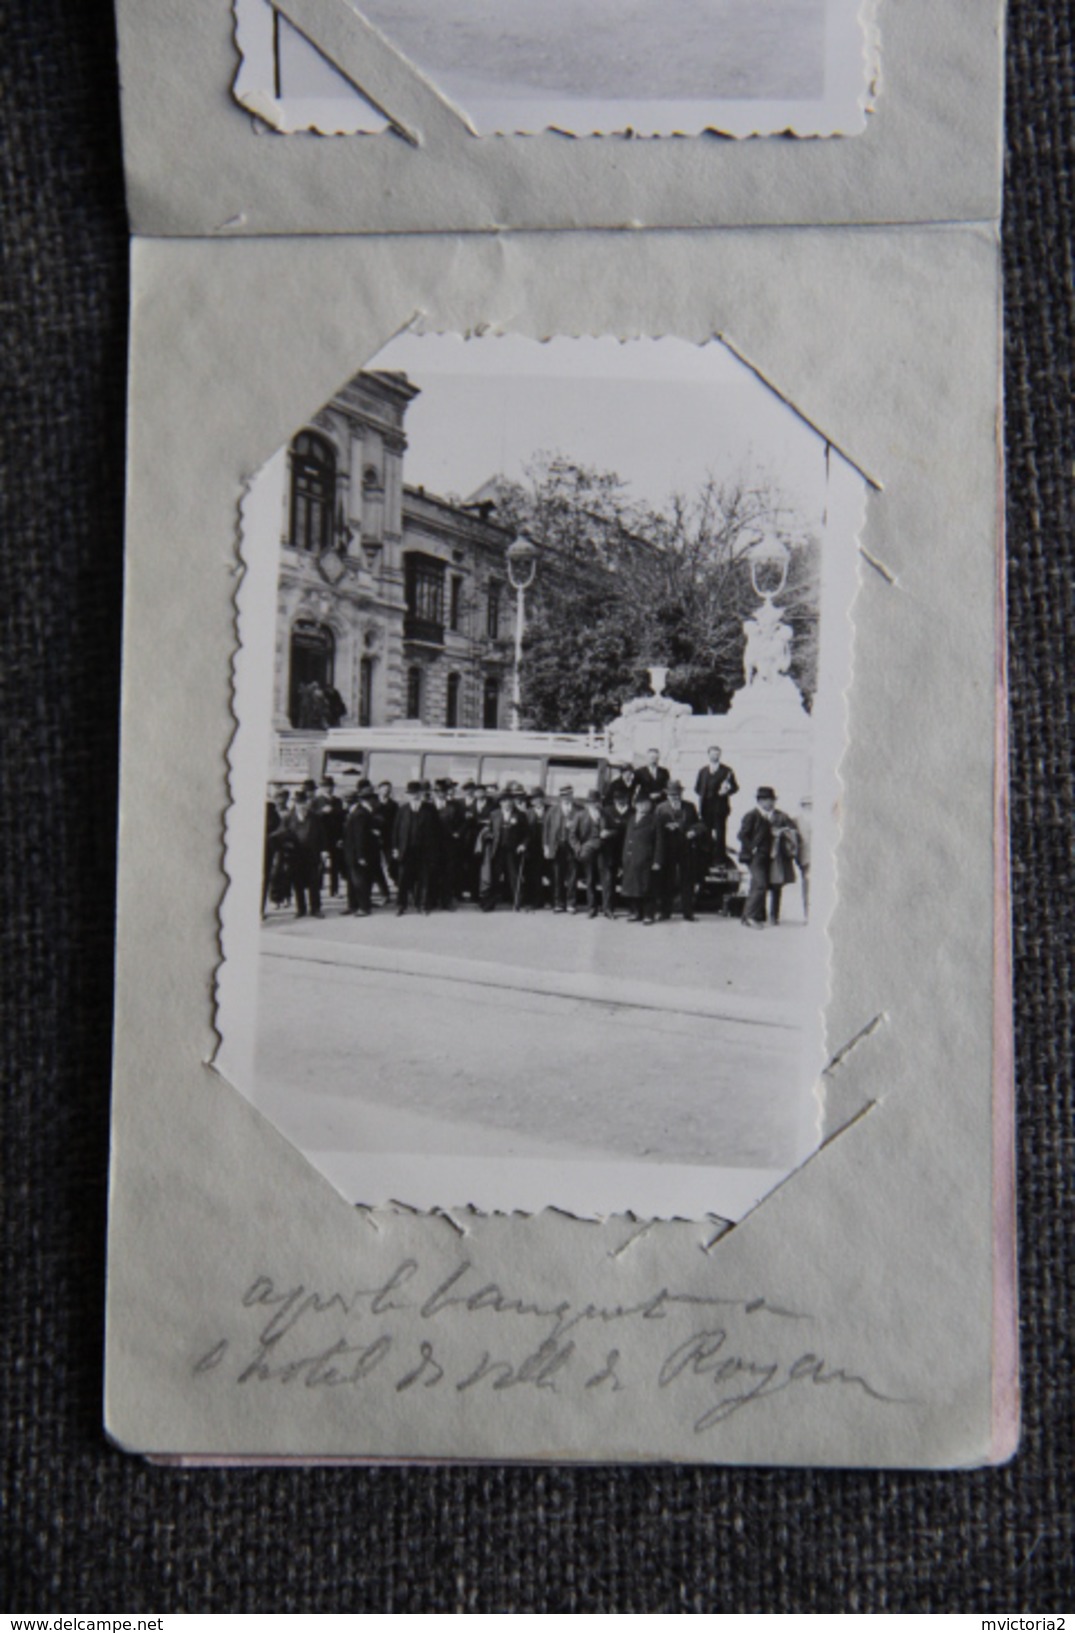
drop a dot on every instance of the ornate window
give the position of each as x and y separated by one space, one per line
451 715
313 492
491 703
414 693
424 585
492 613
313 662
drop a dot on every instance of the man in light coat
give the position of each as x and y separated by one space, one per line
768 841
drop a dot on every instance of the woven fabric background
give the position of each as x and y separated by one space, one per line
87 1528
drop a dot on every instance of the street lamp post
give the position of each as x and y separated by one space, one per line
769 559
522 565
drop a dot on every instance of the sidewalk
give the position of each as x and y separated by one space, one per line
711 968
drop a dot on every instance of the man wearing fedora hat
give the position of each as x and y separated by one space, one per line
304 828
614 819
556 834
385 813
446 882
625 782
535 894
415 847
640 864
467 804
767 844
328 808
679 834
505 854
585 844
361 852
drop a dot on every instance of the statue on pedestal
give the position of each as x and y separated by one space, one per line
767 655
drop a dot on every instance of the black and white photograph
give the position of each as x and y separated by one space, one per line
540 704
652 67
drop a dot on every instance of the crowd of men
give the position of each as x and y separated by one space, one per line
634 841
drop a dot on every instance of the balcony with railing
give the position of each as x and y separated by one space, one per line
424 631
423 621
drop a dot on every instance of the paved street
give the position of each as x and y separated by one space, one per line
537 1035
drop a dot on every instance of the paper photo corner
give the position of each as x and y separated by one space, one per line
554 1317
292 81
335 69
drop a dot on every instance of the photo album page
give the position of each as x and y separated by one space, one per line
563 995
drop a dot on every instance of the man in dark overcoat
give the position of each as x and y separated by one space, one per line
653 777
275 816
614 818
385 813
306 845
640 865
556 834
469 861
625 782
484 809
328 807
680 834
536 881
505 854
361 850
415 846
768 842
804 822
450 822
433 891
586 847
714 786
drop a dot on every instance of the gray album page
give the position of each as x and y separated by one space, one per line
861 1312
894 108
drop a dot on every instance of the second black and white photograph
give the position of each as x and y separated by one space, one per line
540 705
585 67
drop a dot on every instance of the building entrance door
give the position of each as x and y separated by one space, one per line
313 663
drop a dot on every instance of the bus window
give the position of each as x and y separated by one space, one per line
399 767
341 762
581 775
459 767
504 768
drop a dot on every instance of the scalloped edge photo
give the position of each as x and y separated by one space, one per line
807 68
507 1059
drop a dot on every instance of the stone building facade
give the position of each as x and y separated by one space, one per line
392 602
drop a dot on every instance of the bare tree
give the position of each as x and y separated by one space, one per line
620 585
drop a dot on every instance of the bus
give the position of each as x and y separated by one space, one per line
414 753
410 752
